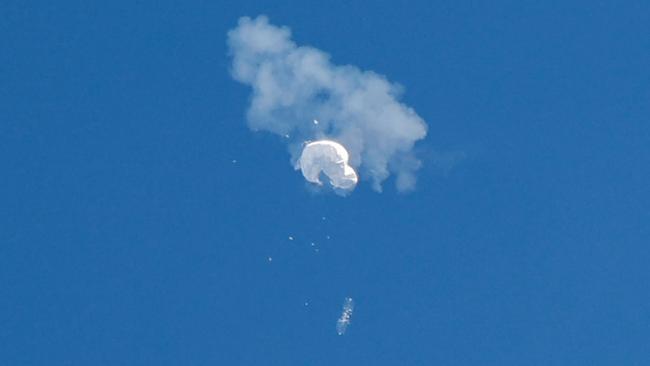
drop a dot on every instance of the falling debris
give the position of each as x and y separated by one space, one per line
343 321
290 237
329 158
315 122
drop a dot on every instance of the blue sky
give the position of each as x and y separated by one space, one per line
129 237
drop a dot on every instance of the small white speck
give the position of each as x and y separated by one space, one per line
286 136
290 237
315 122
270 259
234 161
328 237
306 303
313 244
324 218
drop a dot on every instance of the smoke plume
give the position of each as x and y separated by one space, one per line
300 95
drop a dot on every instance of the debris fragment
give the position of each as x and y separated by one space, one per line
344 320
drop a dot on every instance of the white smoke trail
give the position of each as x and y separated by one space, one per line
295 85
346 315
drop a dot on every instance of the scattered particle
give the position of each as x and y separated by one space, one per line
290 237
234 161
270 259
315 122
328 237
324 218
313 244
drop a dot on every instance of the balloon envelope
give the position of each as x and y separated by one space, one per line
329 158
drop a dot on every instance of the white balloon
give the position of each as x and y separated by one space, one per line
330 158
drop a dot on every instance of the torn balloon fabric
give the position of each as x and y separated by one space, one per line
329 158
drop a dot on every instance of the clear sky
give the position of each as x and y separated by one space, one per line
138 211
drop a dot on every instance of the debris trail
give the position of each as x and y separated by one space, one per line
343 321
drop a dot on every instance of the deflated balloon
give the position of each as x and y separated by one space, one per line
329 158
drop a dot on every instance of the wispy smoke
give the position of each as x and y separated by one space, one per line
295 85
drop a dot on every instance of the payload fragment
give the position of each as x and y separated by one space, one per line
331 159
346 315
